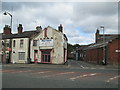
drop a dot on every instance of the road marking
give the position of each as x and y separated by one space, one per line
113 78
7 70
82 76
43 72
25 71
93 74
59 74
93 68
82 66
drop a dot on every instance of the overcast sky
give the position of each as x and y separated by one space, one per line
79 19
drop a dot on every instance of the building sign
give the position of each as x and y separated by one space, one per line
117 50
46 42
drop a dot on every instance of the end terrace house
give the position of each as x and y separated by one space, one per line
50 46
15 48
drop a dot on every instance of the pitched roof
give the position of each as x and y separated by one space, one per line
100 44
26 34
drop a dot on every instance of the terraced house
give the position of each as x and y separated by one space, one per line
34 46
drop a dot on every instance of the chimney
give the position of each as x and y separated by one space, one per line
20 28
60 28
7 29
45 32
97 35
39 28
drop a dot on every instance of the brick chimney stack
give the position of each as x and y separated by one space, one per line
97 35
39 28
60 28
20 28
7 30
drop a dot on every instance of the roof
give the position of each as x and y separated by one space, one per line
101 44
108 37
26 34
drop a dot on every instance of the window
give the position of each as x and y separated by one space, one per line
14 43
34 42
7 44
21 55
7 55
2 44
21 43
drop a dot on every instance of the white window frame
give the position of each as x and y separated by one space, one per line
21 55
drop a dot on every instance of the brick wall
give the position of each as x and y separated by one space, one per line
113 55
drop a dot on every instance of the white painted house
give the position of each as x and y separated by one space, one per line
21 45
49 46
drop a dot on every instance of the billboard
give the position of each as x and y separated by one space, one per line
48 42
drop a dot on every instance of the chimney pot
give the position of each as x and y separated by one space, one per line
60 28
20 28
7 29
39 28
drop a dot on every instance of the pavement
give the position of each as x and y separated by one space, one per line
69 64
83 64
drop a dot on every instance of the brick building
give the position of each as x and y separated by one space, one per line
100 52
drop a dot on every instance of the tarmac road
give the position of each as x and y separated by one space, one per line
58 76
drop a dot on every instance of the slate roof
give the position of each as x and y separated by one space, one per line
108 37
102 44
25 34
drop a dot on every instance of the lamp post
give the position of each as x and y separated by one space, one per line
104 58
7 13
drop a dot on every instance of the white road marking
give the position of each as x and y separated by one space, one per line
93 68
113 78
44 72
25 71
59 74
82 76
93 74
82 66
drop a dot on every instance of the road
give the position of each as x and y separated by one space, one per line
58 76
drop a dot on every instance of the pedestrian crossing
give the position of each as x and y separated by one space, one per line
68 75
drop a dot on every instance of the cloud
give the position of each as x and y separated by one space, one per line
80 20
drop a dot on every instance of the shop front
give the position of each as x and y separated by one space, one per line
46 56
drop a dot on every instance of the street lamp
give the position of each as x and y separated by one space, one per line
104 58
7 13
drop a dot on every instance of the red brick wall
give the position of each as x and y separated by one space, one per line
94 55
113 55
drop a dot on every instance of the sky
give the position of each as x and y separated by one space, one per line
79 19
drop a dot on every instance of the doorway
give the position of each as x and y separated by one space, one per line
36 56
46 56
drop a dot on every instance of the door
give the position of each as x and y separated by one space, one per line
36 56
46 56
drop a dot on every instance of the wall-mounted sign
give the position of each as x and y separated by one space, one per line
48 42
117 50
